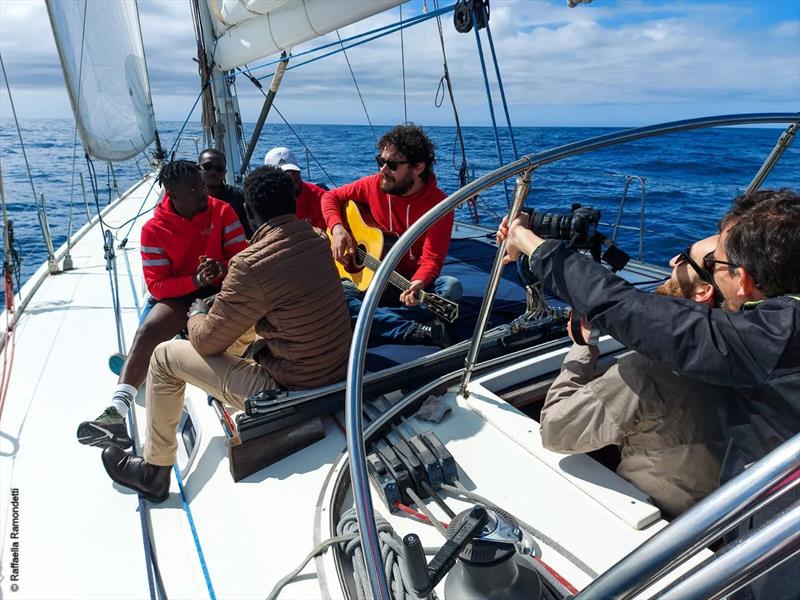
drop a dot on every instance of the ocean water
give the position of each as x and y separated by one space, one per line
690 177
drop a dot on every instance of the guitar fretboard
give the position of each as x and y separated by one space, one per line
373 263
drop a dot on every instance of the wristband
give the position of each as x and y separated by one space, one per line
197 311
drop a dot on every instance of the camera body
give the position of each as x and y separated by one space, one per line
578 227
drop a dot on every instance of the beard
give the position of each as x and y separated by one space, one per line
673 289
396 187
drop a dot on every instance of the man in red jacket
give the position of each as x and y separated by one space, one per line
401 192
309 196
185 247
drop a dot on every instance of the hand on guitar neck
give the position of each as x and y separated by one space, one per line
410 297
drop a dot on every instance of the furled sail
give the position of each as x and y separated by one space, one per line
247 30
100 46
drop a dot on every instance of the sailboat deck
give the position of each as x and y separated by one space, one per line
72 518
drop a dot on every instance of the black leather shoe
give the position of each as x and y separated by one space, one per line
150 481
434 333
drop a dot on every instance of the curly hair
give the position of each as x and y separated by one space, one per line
765 242
270 192
412 143
177 172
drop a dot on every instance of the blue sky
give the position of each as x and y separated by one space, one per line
606 63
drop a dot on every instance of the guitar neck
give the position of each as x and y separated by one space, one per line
395 278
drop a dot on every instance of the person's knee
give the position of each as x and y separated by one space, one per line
350 290
160 359
152 331
449 287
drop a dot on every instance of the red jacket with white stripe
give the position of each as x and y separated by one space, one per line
396 214
172 245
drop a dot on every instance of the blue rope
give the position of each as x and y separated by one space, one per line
491 104
502 91
197 544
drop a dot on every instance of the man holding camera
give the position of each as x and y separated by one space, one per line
753 345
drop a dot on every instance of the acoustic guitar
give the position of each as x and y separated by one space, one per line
370 243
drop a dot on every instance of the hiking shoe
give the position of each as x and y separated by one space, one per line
109 429
133 472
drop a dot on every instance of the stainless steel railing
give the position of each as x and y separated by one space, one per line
358 349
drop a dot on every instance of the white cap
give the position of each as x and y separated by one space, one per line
283 158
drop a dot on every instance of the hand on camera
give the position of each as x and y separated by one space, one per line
520 238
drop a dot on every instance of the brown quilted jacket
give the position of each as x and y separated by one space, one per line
285 283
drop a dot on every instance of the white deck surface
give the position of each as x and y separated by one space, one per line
80 535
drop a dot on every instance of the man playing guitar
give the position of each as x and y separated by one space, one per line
400 193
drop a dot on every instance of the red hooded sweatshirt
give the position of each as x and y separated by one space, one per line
309 204
172 245
396 214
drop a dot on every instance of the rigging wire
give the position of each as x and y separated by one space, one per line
502 90
403 65
360 97
75 132
462 170
19 131
376 33
258 86
172 149
475 22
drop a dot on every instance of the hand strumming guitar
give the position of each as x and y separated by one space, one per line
343 246
409 297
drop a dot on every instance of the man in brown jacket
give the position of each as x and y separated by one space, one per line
669 428
287 285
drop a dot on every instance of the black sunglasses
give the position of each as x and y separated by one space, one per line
392 164
702 272
709 261
214 168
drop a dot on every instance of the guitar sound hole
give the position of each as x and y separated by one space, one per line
357 261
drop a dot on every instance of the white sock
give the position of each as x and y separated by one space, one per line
123 398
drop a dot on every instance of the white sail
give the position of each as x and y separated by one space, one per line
247 30
100 46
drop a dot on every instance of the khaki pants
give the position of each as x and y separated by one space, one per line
176 363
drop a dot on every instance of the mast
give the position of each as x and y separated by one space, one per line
224 127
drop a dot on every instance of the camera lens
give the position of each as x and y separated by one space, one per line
551 225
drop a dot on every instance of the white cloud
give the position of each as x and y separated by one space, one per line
615 64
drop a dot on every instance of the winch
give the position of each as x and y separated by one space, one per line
482 557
